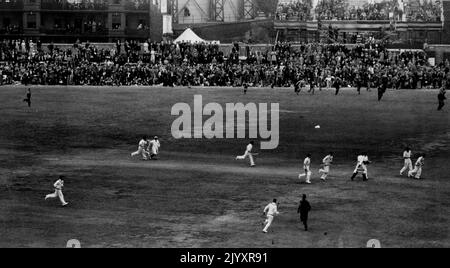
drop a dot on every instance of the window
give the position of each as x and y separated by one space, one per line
6 22
116 21
31 21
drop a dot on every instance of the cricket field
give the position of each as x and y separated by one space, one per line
197 194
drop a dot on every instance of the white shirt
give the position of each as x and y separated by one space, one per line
327 160
142 144
249 148
271 209
307 163
362 159
59 184
420 161
407 154
154 146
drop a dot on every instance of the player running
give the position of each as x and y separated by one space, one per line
142 149
270 211
59 184
248 153
418 168
408 163
327 161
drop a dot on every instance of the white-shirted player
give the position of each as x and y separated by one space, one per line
270 211
248 153
59 184
327 161
307 169
153 147
418 168
361 166
142 149
408 163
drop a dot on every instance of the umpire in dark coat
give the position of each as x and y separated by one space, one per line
304 209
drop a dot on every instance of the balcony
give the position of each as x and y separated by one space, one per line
137 33
11 5
83 5
11 30
73 31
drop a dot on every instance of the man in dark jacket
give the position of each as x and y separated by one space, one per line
441 98
337 85
382 87
28 98
304 209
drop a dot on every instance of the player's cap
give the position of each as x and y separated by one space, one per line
156 137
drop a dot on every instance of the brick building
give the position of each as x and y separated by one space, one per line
69 20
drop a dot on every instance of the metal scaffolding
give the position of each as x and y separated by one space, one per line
218 9
249 9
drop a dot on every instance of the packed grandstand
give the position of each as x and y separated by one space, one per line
279 64
203 64
426 10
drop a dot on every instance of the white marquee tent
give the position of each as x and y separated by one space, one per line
190 37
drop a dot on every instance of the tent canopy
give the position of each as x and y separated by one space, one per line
189 36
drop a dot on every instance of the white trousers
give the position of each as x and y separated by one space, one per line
307 174
417 170
154 151
141 152
249 155
268 222
325 170
361 168
407 166
57 193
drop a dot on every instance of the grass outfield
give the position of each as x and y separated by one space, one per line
197 195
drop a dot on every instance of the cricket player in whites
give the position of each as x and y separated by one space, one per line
327 161
59 184
408 162
248 153
361 166
307 168
270 211
418 168
142 149
153 147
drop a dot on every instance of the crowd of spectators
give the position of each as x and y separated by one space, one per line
426 12
11 29
11 4
169 64
302 10
341 10
137 5
298 10
75 5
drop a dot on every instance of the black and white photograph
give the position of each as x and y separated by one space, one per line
224 124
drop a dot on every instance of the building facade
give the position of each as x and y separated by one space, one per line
69 20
